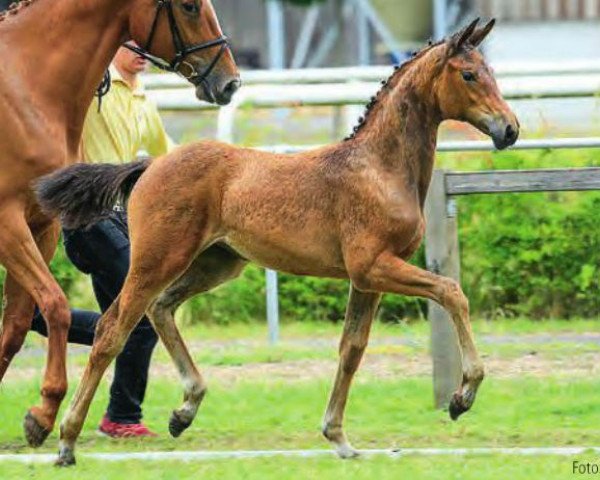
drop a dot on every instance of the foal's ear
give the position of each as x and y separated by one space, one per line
479 35
461 38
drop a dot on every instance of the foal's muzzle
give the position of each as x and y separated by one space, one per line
504 133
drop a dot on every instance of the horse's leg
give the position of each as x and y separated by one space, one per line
359 317
16 321
211 268
27 267
391 274
19 305
156 263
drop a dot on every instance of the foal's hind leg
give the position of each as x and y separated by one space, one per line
27 267
156 263
211 268
359 317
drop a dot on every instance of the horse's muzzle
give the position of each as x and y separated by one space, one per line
219 92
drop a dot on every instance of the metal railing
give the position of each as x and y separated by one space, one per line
358 93
162 81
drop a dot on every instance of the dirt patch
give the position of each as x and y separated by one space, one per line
379 366
394 366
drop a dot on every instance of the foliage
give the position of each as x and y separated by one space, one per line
532 254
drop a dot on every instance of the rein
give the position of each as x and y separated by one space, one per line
181 49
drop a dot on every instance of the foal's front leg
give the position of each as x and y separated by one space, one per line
392 274
359 317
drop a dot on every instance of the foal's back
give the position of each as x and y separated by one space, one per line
281 211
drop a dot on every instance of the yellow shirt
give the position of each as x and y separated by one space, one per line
127 123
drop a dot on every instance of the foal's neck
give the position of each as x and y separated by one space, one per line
401 131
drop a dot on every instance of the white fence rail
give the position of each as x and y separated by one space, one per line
359 92
161 81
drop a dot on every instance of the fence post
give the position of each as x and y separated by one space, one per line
272 306
442 256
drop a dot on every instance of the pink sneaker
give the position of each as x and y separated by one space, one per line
124 430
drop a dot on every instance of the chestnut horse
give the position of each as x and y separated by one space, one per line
353 210
54 54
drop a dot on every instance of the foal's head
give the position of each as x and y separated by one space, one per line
187 34
466 89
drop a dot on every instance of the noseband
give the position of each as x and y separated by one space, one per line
181 49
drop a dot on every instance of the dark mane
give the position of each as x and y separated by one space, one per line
399 71
15 8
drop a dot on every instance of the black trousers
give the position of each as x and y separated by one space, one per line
102 251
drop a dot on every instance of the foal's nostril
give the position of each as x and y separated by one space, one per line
510 134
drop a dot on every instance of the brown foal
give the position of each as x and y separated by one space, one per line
54 54
353 210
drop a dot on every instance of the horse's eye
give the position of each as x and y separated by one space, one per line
468 76
190 7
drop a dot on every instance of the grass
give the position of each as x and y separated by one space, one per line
271 413
525 412
306 329
446 468
243 343
381 414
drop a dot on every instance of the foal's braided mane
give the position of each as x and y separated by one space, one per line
399 71
15 8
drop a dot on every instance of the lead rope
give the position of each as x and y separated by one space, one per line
103 88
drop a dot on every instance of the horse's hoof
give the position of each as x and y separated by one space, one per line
66 458
34 432
457 407
177 425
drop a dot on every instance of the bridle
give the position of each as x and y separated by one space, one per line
181 49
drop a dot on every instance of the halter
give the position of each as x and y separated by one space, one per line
181 50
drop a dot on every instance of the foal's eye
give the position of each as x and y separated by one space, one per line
190 7
468 76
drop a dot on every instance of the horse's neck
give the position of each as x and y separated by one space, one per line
403 133
61 50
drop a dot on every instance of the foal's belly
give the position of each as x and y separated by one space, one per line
298 255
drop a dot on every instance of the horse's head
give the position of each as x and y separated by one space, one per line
466 88
186 34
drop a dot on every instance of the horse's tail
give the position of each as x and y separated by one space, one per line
83 194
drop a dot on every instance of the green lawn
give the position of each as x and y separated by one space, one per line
381 414
380 468
420 329
253 413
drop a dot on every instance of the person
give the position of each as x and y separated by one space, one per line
126 123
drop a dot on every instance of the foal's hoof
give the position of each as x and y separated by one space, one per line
346 451
457 406
66 458
177 425
35 433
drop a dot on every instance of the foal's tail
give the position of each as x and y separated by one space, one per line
83 194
